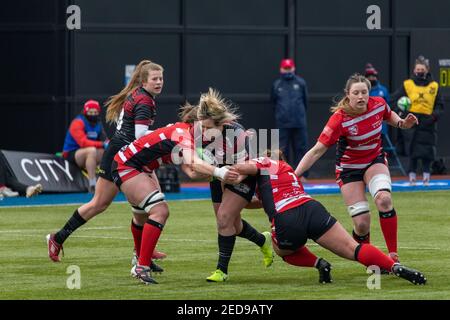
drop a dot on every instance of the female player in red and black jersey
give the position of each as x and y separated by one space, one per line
230 146
360 161
131 168
296 217
134 110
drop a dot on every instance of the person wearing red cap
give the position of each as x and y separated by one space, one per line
85 141
289 96
377 89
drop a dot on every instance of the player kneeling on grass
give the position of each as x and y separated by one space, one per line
130 171
296 216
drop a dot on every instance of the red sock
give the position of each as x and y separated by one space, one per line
302 258
388 222
137 236
150 235
361 239
369 255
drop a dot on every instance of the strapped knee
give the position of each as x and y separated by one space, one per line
379 182
138 210
358 208
152 200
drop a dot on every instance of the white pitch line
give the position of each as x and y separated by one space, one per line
168 239
46 230
81 203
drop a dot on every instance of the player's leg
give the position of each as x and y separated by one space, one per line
290 233
142 191
338 241
355 199
104 195
378 180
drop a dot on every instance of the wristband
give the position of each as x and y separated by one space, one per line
398 124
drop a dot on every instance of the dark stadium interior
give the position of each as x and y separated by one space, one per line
234 46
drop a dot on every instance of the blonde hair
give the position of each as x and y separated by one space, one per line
343 104
188 113
213 106
140 75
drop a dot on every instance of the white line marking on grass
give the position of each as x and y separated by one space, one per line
24 233
46 230
81 203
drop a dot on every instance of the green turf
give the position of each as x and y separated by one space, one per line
102 250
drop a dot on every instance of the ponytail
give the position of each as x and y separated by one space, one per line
140 75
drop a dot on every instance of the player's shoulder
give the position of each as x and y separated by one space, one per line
376 102
143 97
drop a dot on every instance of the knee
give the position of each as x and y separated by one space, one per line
91 151
362 227
383 201
159 213
223 220
100 206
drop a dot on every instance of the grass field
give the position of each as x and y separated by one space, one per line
102 249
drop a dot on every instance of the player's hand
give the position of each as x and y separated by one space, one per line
410 121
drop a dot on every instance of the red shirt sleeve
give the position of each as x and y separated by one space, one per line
387 112
79 135
332 131
266 165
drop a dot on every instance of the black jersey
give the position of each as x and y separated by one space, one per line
138 108
233 148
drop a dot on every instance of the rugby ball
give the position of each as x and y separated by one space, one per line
404 104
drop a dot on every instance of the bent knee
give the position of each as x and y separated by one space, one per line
383 201
362 227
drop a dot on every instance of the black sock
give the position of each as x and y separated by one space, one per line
250 233
226 245
73 224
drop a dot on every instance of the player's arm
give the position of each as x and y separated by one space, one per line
200 166
314 154
397 122
144 115
187 169
248 168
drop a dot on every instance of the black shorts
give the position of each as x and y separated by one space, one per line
70 156
245 189
108 157
353 175
295 226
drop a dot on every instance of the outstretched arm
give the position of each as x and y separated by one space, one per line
408 122
187 169
310 158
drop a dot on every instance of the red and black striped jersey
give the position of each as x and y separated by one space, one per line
358 137
278 187
150 151
138 108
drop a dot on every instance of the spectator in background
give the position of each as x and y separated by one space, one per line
8 182
427 105
289 96
377 90
85 141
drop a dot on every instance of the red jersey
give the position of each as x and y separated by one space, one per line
150 151
358 137
278 186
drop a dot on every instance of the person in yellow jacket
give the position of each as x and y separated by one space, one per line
427 105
